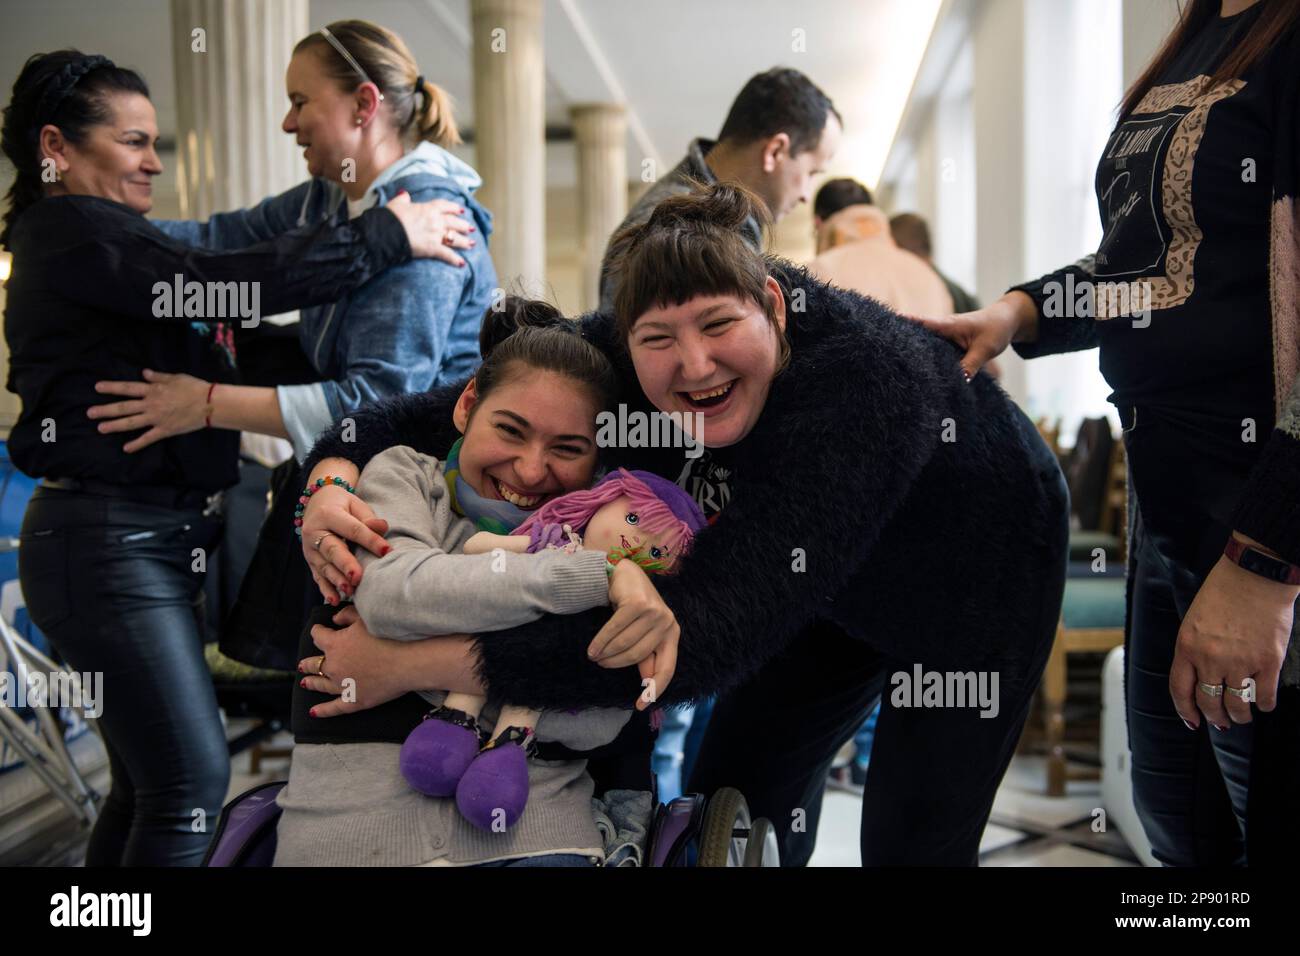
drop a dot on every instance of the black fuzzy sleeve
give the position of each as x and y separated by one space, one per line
119 258
422 421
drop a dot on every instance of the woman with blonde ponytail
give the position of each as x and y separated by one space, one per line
372 127
435 122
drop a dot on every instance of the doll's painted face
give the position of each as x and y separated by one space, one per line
617 525
532 438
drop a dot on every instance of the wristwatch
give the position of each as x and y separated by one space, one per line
1257 562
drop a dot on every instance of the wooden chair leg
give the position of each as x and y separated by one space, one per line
260 751
1054 715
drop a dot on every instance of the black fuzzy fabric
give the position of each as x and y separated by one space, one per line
848 507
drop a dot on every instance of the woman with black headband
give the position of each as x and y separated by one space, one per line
114 545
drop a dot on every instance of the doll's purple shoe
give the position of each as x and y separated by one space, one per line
437 753
494 790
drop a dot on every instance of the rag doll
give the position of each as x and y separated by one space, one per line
628 515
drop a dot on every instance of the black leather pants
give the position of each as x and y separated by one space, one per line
112 584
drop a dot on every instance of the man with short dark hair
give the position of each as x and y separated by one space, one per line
781 131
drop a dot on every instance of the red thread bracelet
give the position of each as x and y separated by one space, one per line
207 421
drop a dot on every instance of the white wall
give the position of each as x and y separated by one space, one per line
1067 122
998 104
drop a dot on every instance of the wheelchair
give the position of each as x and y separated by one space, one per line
692 830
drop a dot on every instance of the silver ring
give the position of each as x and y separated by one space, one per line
316 545
1210 690
1237 692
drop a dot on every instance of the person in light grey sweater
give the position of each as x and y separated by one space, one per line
347 803
353 795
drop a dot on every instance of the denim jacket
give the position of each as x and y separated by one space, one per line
410 328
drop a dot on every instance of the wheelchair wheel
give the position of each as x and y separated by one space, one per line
729 838
761 848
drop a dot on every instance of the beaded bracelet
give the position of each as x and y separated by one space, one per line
310 490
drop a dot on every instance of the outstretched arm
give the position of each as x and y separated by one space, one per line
422 421
311 265
1047 316
238 228
1059 323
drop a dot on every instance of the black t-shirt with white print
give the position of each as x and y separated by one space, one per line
708 479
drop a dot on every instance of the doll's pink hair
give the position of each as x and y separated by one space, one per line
576 508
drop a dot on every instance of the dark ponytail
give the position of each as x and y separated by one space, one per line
67 89
529 333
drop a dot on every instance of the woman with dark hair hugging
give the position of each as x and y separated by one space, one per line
113 544
873 518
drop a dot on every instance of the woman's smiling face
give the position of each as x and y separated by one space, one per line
117 160
715 355
320 117
532 438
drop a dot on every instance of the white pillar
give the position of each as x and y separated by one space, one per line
510 135
998 100
600 130
230 101
230 57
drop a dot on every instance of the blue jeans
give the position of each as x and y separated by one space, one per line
677 745
666 761
862 739
695 735
1190 788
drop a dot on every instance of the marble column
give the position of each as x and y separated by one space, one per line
230 101
600 130
510 136
230 57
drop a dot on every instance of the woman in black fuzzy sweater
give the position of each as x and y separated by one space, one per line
874 519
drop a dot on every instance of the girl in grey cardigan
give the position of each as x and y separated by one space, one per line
528 426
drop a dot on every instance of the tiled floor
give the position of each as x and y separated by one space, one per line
1025 829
